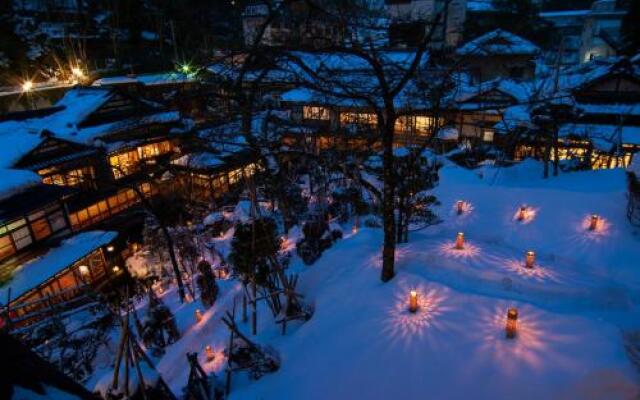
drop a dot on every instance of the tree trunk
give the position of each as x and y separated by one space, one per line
556 151
547 155
388 217
174 260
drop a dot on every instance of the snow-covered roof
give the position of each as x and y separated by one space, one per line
35 272
498 42
448 134
15 181
163 78
519 91
480 5
200 160
17 138
603 137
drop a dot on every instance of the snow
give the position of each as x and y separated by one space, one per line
603 137
163 78
14 181
36 271
498 42
76 105
50 393
448 134
199 160
363 343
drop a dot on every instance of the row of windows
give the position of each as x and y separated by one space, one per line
20 233
90 269
203 184
103 209
73 177
416 124
126 163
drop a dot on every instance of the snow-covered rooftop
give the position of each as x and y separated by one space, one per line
200 160
498 42
14 181
37 271
164 78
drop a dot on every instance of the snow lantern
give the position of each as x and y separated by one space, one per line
115 269
460 241
512 322
522 213
460 207
530 259
413 301
593 225
209 353
198 316
110 248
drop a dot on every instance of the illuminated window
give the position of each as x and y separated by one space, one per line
41 228
318 113
124 164
487 135
154 149
73 177
347 118
6 247
414 124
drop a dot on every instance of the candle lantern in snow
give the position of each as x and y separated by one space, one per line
460 207
530 259
209 353
512 323
522 213
593 225
460 241
198 316
413 301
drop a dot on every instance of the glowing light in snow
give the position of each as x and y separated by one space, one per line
469 250
413 301
459 241
530 259
512 323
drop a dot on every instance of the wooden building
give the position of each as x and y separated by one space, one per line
59 276
603 128
498 54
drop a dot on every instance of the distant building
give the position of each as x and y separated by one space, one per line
407 15
499 54
587 34
293 24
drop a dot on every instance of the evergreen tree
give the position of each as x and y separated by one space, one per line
253 244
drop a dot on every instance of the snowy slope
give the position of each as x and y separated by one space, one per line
362 343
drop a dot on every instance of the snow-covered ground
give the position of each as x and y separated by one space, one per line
362 342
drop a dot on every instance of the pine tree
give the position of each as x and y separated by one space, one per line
252 245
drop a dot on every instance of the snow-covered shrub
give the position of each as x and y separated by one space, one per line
317 238
206 282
